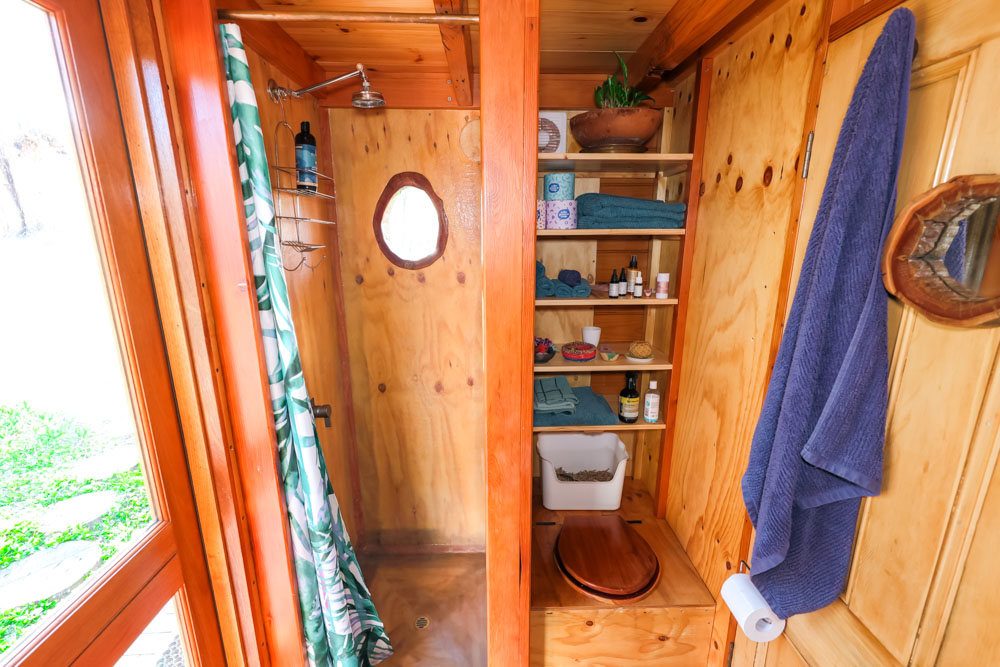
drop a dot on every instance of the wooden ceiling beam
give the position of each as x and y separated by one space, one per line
685 28
457 41
275 45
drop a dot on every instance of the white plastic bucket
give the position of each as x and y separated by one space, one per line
575 452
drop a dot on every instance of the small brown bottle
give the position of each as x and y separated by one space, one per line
628 400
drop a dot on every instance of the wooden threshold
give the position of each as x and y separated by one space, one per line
667 164
660 362
595 300
591 233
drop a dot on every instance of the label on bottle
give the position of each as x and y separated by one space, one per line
613 290
305 158
651 411
628 408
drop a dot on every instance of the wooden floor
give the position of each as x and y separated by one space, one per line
670 626
448 590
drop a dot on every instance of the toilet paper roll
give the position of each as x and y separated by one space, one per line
540 215
758 622
560 214
559 186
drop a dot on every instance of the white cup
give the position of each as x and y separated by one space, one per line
592 335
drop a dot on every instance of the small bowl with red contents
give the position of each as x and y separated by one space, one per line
579 351
544 350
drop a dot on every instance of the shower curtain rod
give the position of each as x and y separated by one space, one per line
346 17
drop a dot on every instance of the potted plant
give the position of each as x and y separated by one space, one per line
619 124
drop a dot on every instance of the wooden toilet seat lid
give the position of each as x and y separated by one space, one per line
606 554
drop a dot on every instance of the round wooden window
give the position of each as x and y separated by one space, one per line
410 225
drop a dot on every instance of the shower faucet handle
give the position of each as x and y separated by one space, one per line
323 411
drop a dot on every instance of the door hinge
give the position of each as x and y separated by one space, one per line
732 650
809 154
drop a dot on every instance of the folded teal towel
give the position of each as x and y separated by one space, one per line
554 395
594 203
613 222
539 270
544 288
564 291
591 410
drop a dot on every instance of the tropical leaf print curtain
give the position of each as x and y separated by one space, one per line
342 628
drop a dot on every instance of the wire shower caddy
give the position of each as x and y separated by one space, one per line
284 182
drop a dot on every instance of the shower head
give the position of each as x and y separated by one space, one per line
366 98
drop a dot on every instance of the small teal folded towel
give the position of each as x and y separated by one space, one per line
593 203
613 222
591 410
544 288
564 291
554 395
539 270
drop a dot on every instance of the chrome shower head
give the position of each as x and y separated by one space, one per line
366 98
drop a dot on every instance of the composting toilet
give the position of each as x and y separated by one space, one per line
604 557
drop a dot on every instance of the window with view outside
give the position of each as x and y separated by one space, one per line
73 495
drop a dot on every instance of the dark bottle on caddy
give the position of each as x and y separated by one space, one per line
305 159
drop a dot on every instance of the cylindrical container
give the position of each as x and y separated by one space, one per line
651 406
560 214
662 285
540 215
560 186
592 335
305 159
751 611
637 291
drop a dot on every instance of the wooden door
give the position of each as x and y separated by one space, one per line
163 561
922 586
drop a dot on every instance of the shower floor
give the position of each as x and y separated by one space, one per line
433 606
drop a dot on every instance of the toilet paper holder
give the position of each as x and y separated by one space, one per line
743 564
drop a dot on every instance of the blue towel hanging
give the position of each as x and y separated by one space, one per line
817 449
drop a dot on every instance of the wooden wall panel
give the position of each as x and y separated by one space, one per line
315 293
923 562
415 337
756 119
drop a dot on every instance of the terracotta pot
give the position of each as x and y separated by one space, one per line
624 129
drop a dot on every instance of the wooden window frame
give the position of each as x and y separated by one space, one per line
169 559
396 183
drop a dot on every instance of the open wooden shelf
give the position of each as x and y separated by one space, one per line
612 400
593 233
679 585
660 362
594 300
668 164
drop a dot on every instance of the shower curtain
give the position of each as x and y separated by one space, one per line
342 628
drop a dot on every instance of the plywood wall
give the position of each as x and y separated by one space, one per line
756 118
755 125
314 293
922 583
415 337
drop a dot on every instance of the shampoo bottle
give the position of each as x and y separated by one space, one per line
651 407
305 159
